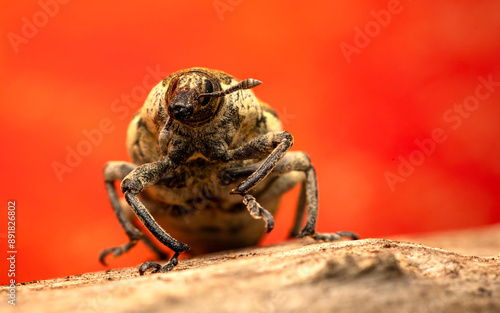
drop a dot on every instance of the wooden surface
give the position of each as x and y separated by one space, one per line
370 275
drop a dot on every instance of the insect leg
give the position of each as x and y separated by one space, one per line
116 171
152 246
282 184
258 212
299 161
299 215
141 177
271 146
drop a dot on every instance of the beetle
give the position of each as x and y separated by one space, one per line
208 158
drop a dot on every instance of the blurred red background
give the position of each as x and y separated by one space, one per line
355 85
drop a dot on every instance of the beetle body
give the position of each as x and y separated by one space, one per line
196 208
200 142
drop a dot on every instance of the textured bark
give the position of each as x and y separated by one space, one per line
370 275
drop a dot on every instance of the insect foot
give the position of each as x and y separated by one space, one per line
117 251
306 232
157 268
258 212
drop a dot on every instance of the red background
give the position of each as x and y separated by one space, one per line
355 119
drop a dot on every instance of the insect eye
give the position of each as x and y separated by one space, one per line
205 101
208 87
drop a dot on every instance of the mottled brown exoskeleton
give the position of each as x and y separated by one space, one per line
205 150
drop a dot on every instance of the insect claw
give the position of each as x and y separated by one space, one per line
258 212
102 258
147 265
269 222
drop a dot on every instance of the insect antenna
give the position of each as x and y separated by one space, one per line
244 84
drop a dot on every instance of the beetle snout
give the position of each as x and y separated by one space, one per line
181 107
181 112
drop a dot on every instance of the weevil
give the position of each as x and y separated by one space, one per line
208 159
